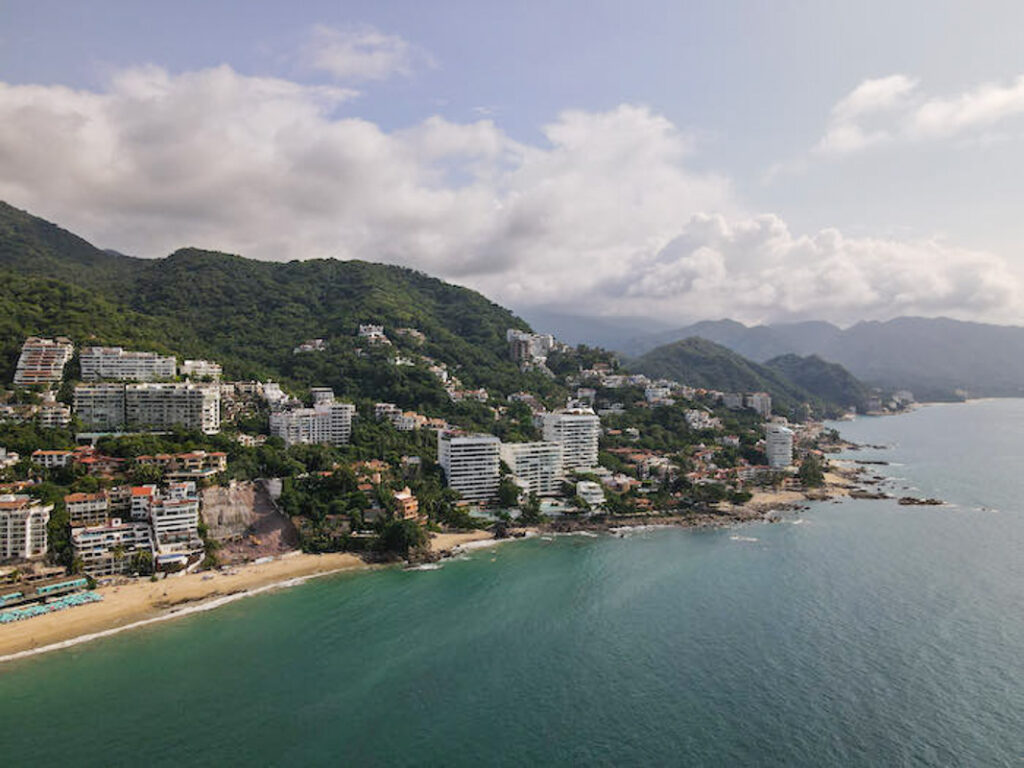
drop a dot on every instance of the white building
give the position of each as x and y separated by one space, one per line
100 406
23 523
374 334
193 406
42 361
577 432
175 520
115 363
529 347
537 464
201 369
54 415
328 421
760 402
109 548
51 459
778 445
470 463
590 492
8 458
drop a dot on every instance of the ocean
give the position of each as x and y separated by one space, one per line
859 633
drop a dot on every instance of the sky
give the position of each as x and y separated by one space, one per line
676 161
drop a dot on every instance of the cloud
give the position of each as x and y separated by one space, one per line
892 109
603 215
363 53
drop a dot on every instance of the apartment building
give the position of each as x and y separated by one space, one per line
538 465
760 402
110 547
193 406
52 459
42 361
87 509
577 432
53 415
174 516
778 445
23 522
201 369
116 364
100 406
328 421
470 463
195 465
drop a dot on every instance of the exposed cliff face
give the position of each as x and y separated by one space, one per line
243 518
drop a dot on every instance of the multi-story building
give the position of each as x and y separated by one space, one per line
470 463
100 406
201 369
328 421
42 361
760 402
193 406
52 459
54 415
86 509
407 506
23 523
8 458
174 516
577 432
195 465
110 547
114 363
778 445
538 465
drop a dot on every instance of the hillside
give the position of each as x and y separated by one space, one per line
790 381
828 381
250 315
933 357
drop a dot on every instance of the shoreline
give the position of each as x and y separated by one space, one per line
139 603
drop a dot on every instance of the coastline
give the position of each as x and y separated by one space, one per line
142 602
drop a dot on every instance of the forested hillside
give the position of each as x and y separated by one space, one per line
249 315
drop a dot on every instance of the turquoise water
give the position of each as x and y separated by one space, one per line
861 633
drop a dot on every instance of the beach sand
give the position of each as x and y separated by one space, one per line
144 601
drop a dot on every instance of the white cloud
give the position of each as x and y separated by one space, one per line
605 215
363 53
891 109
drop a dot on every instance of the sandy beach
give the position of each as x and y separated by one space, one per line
143 601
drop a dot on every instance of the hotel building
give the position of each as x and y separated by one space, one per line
538 465
470 463
99 363
577 431
42 361
23 523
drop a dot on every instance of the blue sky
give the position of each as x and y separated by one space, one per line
766 161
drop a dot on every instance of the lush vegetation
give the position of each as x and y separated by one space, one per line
702 363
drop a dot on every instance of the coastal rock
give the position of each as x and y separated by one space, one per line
914 502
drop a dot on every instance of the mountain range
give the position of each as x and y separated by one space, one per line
249 315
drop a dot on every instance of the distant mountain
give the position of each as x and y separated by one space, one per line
933 357
789 379
610 333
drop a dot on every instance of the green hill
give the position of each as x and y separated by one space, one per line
702 363
249 315
829 381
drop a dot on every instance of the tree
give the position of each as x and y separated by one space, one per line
398 537
810 473
508 492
